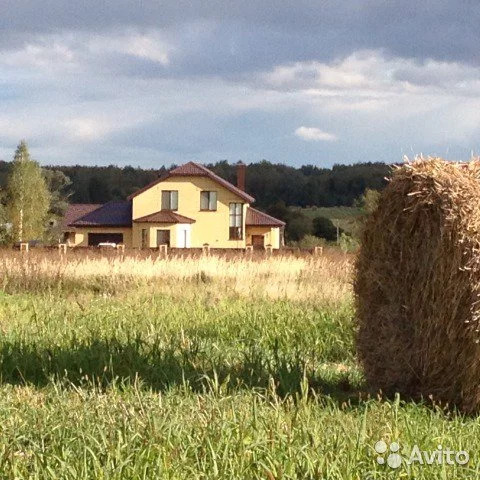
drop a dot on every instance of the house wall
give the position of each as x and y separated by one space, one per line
81 235
152 233
133 237
210 227
271 234
176 234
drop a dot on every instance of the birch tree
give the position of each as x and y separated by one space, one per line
28 198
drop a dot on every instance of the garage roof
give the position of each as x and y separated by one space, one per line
111 214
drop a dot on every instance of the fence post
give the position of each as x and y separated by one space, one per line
268 250
162 250
24 247
121 250
206 249
62 248
318 251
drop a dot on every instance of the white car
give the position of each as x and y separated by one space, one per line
107 245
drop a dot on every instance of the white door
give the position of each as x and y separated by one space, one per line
183 236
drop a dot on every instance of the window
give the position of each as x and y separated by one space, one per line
208 201
169 199
163 237
236 221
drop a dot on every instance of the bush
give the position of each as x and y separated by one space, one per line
348 243
323 227
309 241
297 227
368 202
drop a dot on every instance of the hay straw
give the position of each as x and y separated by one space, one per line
417 285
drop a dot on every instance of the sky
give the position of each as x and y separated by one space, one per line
151 83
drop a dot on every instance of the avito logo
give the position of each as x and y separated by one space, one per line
390 454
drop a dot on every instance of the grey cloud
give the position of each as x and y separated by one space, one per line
439 74
72 85
249 35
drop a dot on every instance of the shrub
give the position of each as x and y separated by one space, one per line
348 243
297 227
323 227
309 241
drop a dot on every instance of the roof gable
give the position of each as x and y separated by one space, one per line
192 169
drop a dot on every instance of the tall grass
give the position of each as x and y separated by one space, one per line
324 278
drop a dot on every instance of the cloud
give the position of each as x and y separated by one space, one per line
171 81
314 134
85 129
150 46
219 37
67 96
373 71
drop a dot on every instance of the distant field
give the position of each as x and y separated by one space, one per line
203 368
347 216
341 213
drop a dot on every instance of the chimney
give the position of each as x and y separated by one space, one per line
241 172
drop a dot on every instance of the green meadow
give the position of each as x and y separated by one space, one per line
200 381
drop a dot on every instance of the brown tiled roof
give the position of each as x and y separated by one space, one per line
164 216
257 218
196 170
76 211
190 168
111 214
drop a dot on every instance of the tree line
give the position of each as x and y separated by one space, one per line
268 182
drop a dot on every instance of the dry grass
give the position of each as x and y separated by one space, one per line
325 278
418 284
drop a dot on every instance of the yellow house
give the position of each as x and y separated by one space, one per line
189 207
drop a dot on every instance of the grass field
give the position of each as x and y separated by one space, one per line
345 217
203 368
340 213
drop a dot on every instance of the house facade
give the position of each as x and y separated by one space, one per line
187 208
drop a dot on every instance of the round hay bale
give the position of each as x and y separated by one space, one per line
417 285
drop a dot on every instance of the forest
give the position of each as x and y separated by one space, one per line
269 183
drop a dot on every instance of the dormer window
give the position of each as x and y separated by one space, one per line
169 199
208 201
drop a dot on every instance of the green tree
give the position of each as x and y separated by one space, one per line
28 198
4 225
298 225
368 202
323 227
279 210
59 186
99 190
